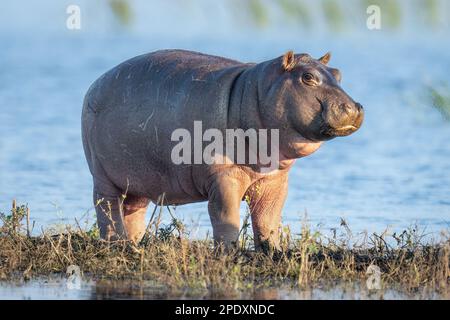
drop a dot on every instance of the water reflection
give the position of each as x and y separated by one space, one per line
56 288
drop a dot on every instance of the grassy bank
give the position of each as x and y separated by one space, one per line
167 257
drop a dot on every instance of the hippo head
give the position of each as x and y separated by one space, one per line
303 98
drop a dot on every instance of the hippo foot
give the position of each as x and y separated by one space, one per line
270 248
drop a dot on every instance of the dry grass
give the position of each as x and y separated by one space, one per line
167 257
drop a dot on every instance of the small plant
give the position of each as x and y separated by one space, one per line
167 232
440 98
93 232
244 238
12 223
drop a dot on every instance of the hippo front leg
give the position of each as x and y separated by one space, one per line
266 199
225 196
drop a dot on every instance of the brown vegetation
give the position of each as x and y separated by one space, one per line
168 258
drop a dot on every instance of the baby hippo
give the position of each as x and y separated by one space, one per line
176 127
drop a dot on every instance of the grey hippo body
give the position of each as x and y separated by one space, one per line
130 113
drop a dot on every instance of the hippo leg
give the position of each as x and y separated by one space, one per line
266 202
107 197
134 210
224 198
108 203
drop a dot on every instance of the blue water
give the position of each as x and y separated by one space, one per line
393 173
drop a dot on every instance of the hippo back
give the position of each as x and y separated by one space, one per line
156 74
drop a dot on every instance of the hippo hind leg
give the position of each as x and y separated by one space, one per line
119 216
108 203
134 210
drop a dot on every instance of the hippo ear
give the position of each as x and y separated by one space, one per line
326 58
289 61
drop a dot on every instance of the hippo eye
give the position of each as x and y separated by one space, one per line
309 79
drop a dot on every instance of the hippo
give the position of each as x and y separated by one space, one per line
131 112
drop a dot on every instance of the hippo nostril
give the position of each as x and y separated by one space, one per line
358 106
346 108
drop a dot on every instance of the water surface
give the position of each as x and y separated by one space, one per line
393 173
55 288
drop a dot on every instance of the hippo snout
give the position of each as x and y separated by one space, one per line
342 119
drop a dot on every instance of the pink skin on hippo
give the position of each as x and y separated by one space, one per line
130 113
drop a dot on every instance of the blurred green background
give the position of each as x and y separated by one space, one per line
338 16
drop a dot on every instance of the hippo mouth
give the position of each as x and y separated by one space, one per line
342 131
329 131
